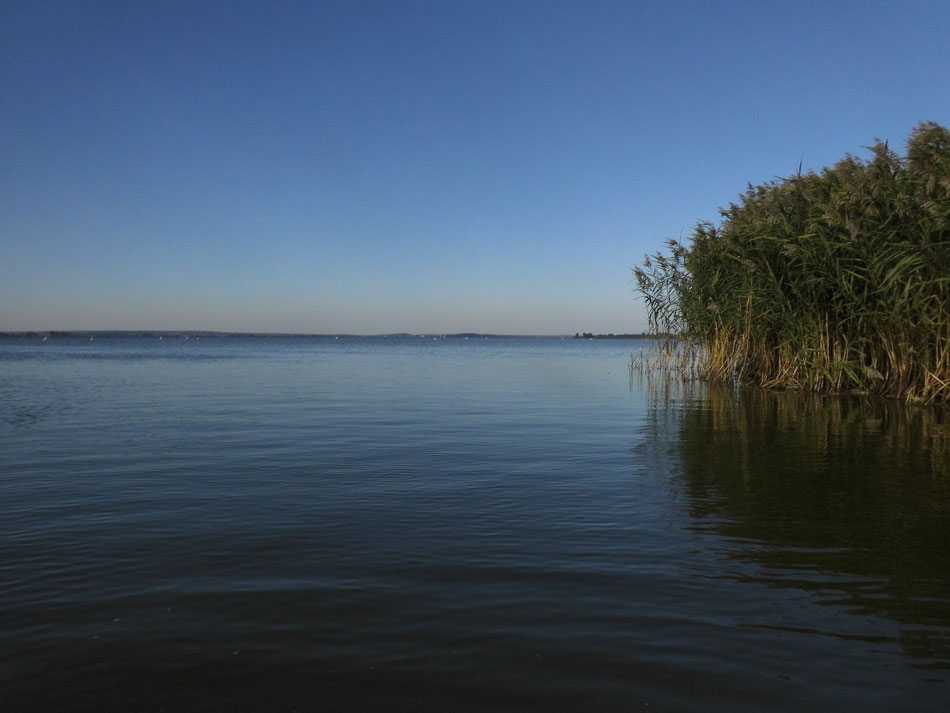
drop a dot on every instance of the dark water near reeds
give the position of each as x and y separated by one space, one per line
456 525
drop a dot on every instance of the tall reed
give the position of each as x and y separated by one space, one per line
827 282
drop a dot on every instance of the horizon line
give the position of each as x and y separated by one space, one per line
245 333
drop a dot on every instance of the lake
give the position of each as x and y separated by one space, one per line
419 524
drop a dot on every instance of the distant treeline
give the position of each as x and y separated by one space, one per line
591 335
203 333
828 282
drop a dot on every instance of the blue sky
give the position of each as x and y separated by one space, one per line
373 167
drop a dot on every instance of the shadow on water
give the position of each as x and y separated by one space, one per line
842 498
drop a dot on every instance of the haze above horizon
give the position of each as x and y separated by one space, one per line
375 168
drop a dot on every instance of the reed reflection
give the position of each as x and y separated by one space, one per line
842 497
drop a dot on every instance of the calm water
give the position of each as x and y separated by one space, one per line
475 525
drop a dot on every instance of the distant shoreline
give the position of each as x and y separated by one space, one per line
149 333
642 335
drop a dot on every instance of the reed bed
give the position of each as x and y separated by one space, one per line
832 282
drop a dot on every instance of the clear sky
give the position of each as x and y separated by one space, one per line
372 167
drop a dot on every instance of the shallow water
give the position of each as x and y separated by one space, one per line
230 524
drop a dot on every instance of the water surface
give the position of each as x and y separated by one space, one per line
230 524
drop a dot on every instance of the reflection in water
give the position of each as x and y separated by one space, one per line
846 499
